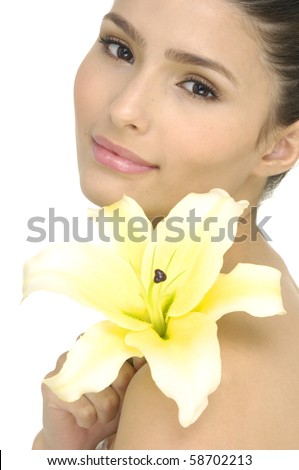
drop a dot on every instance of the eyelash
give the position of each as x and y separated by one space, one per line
201 82
107 41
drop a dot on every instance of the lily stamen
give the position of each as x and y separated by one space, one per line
160 276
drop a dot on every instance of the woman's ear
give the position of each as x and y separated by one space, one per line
283 155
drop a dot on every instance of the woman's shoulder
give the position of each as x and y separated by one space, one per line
256 404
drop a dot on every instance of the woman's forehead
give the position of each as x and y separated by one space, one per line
184 13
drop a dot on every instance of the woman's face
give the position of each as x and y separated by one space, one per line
181 86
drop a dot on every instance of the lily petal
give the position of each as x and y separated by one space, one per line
120 223
93 362
247 288
91 275
192 266
185 364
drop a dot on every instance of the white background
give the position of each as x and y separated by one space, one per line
42 44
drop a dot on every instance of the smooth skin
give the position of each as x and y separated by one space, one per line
199 136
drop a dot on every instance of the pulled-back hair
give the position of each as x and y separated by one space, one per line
277 26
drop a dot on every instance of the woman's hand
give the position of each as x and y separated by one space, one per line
86 422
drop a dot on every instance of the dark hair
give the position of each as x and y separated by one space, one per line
277 26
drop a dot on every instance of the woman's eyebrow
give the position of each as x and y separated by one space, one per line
127 27
191 59
181 57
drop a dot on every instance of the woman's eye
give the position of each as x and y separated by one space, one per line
200 89
117 50
121 52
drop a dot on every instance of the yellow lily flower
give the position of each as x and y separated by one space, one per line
162 296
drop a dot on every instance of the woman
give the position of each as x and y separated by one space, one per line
178 97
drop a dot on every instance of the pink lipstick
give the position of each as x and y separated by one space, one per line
118 158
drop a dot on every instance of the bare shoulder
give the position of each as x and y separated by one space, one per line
256 405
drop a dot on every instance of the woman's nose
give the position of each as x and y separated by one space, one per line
132 106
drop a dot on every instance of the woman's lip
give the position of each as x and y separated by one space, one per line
117 158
